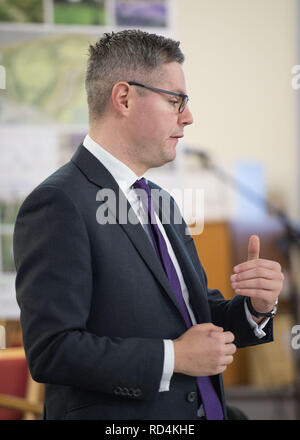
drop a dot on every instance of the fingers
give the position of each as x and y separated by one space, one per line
203 350
223 337
259 263
210 326
258 279
230 349
225 343
257 272
226 360
224 349
256 284
228 337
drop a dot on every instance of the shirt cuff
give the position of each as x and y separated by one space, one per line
257 328
168 368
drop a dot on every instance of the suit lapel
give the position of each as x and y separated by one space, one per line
99 175
192 280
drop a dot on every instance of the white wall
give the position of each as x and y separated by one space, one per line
239 55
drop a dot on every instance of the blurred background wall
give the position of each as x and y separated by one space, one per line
240 55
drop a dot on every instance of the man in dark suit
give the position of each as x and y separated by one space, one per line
116 315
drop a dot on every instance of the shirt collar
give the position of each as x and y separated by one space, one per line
122 174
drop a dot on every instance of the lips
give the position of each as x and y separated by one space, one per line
177 136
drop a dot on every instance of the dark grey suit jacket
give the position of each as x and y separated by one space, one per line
96 304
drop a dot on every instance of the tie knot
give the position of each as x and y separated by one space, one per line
142 184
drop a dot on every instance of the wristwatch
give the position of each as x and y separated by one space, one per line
253 312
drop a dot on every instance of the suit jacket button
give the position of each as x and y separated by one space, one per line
191 397
137 392
124 391
117 391
131 392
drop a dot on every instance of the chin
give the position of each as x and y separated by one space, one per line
167 155
171 155
162 162
169 158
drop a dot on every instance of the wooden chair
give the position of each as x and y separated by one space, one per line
20 395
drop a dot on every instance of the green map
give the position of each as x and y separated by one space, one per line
45 80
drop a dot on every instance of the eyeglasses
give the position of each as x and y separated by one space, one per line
184 98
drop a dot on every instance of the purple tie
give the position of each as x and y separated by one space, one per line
212 406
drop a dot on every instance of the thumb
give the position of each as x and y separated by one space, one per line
253 247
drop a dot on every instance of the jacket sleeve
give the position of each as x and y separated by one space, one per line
54 287
229 314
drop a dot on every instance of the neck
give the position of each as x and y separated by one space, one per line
116 145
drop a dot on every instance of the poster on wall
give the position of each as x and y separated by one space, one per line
16 11
89 13
56 95
82 12
141 13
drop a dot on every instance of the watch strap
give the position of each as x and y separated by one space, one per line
253 312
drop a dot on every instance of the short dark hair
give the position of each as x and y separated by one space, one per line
129 55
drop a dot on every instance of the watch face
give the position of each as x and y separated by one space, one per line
273 312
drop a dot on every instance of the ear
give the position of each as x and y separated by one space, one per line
121 96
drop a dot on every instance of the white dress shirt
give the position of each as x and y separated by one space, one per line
125 178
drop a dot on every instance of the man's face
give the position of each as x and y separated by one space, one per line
155 124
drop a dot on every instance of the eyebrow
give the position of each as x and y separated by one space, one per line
180 91
175 90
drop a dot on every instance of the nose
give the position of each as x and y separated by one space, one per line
186 117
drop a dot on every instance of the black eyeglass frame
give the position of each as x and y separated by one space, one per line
184 98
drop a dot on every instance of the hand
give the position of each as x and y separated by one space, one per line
203 350
260 279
